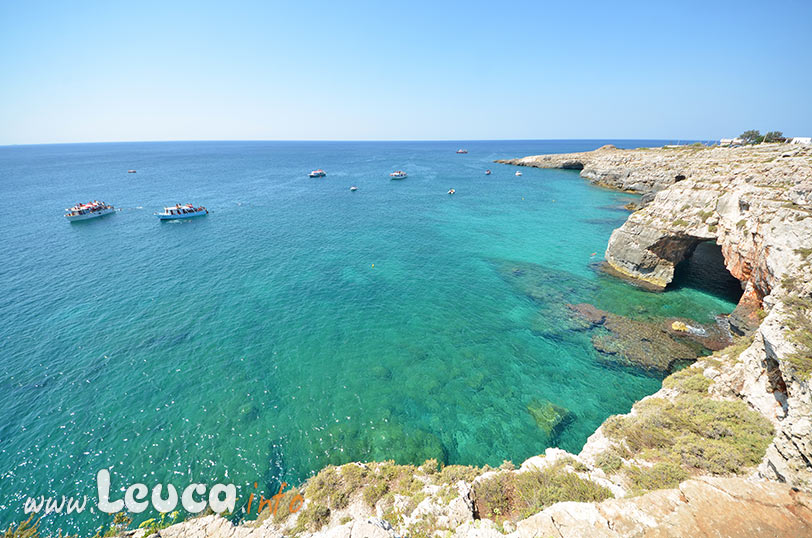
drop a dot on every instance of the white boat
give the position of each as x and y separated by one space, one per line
518 173
130 171
462 150
178 211
90 210
451 191
318 173
353 188
398 174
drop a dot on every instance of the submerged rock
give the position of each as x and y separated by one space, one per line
544 284
646 345
551 418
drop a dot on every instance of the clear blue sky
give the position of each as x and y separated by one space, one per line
172 70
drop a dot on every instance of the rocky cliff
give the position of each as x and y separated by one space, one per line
756 203
723 449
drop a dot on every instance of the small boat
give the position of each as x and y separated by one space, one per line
451 191
90 210
398 174
487 172
130 171
178 211
461 151
518 173
318 173
353 188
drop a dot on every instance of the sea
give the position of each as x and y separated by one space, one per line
301 324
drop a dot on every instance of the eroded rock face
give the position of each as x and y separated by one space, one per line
755 203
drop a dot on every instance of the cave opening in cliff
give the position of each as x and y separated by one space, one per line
705 270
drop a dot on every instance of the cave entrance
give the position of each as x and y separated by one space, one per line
705 270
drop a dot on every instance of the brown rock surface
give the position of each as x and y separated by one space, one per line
728 507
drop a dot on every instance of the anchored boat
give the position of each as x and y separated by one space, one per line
318 173
462 151
398 174
178 211
90 210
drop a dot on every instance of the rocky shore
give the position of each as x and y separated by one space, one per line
756 203
723 449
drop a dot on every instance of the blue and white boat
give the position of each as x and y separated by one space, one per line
178 211
318 173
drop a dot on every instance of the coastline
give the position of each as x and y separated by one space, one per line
733 425
690 195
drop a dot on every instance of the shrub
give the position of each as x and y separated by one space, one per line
803 252
24 529
312 518
660 476
374 492
430 466
610 460
800 334
694 431
451 474
688 380
513 496
283 509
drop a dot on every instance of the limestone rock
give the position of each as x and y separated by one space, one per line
754 202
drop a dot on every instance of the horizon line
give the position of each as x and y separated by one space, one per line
355 140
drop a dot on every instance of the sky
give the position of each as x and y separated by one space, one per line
84 71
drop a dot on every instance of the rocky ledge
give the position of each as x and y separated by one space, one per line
730 507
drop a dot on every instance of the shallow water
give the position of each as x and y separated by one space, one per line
299 323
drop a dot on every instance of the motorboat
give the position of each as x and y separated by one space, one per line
90 210
517 174
178 211
487 172
318 173
398 174
353 188
451 191
461 151
130 171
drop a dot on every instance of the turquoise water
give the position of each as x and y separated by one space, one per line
299 324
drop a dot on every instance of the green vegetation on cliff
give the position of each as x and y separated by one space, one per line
800 334
689 434
515 496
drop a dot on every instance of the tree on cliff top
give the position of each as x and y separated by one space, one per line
774 136
753 136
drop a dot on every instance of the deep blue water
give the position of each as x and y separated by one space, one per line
299 323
